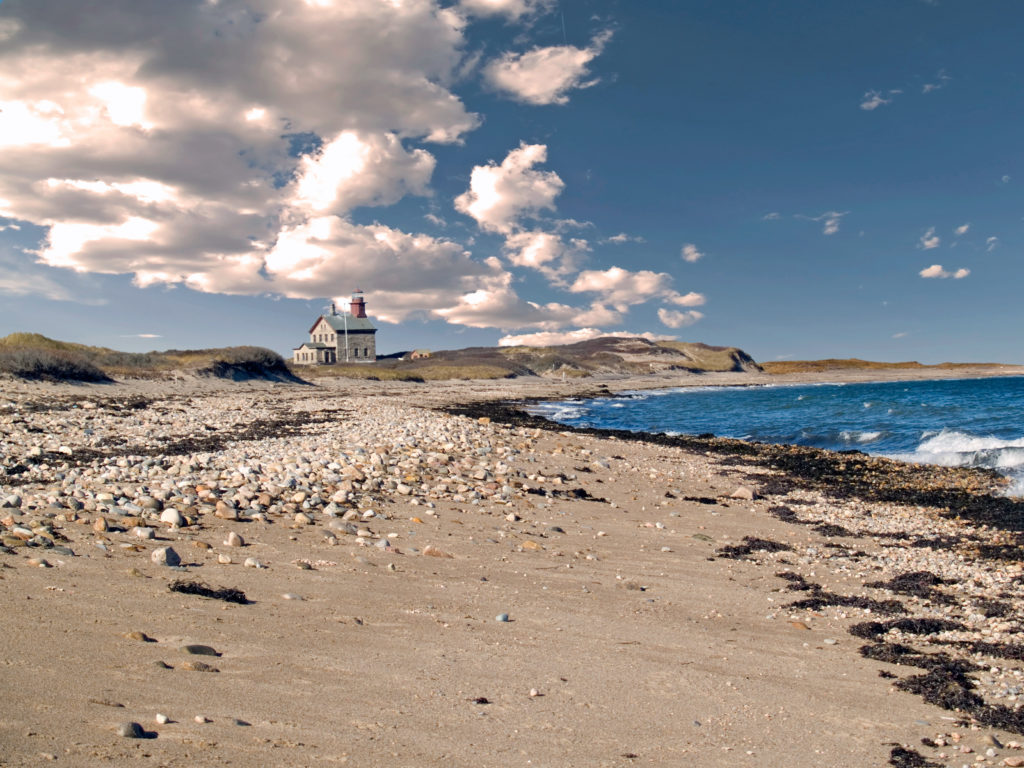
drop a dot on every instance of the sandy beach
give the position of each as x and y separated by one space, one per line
429 589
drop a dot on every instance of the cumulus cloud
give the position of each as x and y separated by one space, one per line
553 338
546 252
675 319
691 299
499 195
545 75
937 271
872 100
963 229
229 161
622 288
512 9
621 238
929 240
691 254
356 169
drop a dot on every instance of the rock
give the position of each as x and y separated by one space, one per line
252 562
100 525
431 551
303 519
534 693
291 596
165 556
531 545
201 719
141 637
234 540
172 517
130 731
224 559
198 666
194 649
502 617
141 532
162 719
1016 762
743 492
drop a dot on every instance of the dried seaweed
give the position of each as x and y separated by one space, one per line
749 546
916 584
909 758
820 598
872 630
829 529
198 588
797 583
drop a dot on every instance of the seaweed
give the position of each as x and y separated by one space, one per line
994 608
198 588
902 757
749 546
700 499
874 629
1011 651
797 583
821 598
785 514
828 529
915 584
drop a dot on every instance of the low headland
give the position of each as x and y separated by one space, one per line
223 569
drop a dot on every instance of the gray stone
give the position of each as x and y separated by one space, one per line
165 556
502 617
130 730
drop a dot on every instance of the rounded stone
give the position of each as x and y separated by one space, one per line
130 730
165 556
502 617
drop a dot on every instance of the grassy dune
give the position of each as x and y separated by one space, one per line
817 366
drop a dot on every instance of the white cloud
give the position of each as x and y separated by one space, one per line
929 240
144 148
690 253
545 75
691 299
545 252
963 229
141 336
1006 179
991 244
622 237
937 271
551 338
357 169
621 288
830 220
899 335
676 319
499 195
773 216
942 78
513 9
872 100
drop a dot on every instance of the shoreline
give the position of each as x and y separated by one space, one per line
673 599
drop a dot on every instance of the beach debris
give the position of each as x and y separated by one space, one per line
227 594
749 546
131 730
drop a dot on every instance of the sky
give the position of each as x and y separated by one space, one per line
798 178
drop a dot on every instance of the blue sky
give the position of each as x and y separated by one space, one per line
800 179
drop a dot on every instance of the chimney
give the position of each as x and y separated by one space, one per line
358 304
334 309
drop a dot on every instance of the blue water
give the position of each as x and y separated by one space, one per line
962 422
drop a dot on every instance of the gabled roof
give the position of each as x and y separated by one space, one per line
314 345
338 323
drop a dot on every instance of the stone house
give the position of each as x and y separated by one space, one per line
340 337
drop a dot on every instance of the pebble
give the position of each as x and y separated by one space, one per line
502 617
252 562
201 719
224 559
162 719
142 532
234 540
172 517
195 649
291 596
130 730
165 556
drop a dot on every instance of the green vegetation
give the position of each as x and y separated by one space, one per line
817 366
36 357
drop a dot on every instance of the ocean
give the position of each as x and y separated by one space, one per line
950 422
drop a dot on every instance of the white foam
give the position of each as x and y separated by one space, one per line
853 436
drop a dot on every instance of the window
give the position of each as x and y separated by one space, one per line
366 352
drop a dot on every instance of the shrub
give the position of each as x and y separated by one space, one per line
48 365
